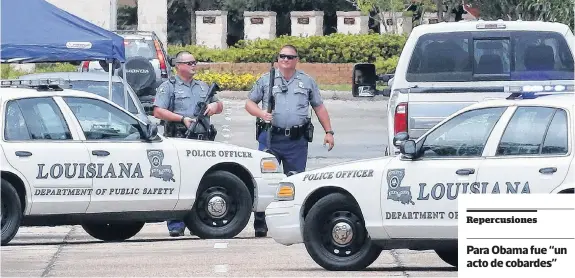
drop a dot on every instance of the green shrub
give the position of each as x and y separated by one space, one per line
334 48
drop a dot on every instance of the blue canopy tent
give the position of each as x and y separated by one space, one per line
35 31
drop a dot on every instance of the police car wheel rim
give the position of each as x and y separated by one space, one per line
339 247
205 210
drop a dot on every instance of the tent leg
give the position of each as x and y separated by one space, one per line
110 82
125 85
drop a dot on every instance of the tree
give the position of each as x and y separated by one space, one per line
381 7
544 10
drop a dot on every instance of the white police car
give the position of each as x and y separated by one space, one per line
70 157
347 214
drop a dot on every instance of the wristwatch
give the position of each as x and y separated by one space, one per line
182 120
330 132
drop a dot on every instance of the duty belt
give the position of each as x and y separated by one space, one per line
294 131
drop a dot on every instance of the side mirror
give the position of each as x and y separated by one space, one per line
364 81
399 138
151 131
408 148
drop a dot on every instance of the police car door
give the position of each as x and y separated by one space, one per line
130 174
423 192
531 154
41 145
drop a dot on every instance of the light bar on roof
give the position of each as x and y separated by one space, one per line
542 88
34 82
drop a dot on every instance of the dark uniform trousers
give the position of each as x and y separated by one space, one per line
175 130
292 154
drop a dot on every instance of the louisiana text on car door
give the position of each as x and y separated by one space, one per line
131 173
533 153
39 143
423 191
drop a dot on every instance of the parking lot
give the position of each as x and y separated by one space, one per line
360 128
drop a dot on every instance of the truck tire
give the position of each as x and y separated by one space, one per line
335 237
448 256
11 212
140 74
222 208
118 231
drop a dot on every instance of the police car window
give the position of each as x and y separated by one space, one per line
101 88
525 132
44 119
556 139
464 135
466 56
15 126
102 121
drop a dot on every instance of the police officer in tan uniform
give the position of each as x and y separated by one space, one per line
294 92
175 104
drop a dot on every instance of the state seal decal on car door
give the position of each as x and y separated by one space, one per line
396 192
157 169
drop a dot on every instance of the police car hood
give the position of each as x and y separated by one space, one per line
214 149
346 171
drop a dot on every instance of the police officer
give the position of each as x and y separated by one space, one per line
294 91
175 103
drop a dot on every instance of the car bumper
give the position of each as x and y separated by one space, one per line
266 187
284 222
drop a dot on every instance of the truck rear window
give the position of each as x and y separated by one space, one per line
141 48
497 56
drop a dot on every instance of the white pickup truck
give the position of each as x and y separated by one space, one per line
75 158
447 66
347 214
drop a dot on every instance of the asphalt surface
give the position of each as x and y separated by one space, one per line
360 128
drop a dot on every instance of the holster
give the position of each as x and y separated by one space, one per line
309 129
260 126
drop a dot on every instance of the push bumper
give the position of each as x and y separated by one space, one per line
284 223
266 188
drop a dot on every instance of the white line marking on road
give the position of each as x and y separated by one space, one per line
221 245
221 268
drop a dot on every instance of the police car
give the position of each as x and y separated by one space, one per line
347 214
447 66
70 157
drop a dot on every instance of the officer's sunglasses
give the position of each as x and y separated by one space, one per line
289 57
190 63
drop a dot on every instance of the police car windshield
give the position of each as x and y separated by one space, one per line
101 88
497 56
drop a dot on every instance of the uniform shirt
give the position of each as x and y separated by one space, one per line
185 96
291 105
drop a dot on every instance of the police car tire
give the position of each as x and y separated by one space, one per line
319 215
11 210
118 231
448 256
239 193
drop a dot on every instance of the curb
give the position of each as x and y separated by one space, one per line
326 95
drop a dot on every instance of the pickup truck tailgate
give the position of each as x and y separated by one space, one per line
426 109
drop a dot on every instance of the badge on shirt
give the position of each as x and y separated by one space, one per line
300 84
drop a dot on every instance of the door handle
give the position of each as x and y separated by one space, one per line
465 172
100 153
548 170
23 153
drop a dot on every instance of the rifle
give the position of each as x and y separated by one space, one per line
270 108
201 119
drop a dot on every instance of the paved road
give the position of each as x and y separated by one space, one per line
360 128
69 251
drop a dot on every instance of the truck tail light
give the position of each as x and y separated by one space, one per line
85 66
161 58
400 118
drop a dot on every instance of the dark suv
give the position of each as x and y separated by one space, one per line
147 64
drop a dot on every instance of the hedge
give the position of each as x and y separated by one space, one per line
334 48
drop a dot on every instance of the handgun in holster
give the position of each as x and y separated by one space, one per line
309 128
